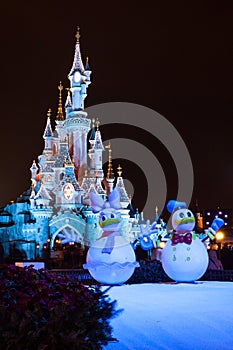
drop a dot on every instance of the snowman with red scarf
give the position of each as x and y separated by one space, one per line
185 257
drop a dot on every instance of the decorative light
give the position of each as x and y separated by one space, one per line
162 245
220 213
208 213
226 216
219 235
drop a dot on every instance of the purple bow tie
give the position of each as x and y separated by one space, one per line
176 238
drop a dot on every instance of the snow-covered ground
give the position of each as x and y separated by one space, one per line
173 316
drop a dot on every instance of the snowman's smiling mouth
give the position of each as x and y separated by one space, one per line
184 221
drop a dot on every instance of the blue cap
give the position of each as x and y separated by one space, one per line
174 205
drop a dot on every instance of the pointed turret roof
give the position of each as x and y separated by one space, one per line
69 177
34 166
131 208
124 199
77 63
68 99
48 129
92 134
87 67
88 186
43 193
86 183
69 173
98 144
98 186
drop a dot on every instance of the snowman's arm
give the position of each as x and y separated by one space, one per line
209 234
215 226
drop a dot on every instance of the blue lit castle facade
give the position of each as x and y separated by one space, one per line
56 207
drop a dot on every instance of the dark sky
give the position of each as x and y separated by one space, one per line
174 57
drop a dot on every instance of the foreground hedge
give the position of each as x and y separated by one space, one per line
43 311
149 272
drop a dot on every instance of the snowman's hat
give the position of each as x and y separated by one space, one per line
173 205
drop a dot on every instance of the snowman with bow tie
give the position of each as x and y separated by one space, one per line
185 257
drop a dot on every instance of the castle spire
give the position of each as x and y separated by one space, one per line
34 170
48 129
79 82
156 214
97 144
124 199
77 63
119 170
110 173
87 67
77 36
92 134
59 110
97 124
68 99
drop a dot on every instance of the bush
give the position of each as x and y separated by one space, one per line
43 311
149 272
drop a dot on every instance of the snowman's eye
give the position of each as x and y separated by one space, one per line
181 215
113 216
189 214
103 218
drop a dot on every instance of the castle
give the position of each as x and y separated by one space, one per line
56 206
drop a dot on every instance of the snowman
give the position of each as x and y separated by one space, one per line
110 259
185 257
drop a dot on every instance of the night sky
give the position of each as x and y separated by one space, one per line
174 57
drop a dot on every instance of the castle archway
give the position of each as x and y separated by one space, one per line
69 227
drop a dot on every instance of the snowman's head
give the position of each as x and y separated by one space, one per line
110 219
109 212
183 220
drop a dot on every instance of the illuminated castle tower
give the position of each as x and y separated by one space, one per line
76 122
57 202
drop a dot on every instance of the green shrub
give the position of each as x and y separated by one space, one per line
43 311
148 272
